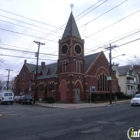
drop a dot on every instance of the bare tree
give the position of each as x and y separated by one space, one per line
134 61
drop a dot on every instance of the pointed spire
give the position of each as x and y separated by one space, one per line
71 28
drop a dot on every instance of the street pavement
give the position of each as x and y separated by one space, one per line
77 105
80 105
33 122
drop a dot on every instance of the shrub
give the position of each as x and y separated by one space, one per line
120 95
50 99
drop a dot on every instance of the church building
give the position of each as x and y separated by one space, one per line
71 78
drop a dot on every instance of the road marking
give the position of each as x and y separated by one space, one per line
78 120
119 123
102 122
92 130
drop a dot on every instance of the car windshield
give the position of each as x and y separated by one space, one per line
27 95
137 96
10 94
6 94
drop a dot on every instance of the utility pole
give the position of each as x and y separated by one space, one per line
8 78
36 92
110 70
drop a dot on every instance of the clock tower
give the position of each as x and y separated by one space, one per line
70 68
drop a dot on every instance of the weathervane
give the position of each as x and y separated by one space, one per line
71 5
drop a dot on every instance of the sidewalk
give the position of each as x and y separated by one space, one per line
79 105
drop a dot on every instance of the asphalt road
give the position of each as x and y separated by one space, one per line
29 122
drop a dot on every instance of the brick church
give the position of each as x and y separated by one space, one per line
69 80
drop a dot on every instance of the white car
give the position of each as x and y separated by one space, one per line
6 97
135 100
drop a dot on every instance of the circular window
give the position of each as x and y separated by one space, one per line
77 49
23 75
64 49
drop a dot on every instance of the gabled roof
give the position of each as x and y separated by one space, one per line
71 28
89 59
53 70
122 70
31 67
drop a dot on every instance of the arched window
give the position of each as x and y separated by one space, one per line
61 66
67 64
77 66
51 86
41 87
80 66
32 87
103 84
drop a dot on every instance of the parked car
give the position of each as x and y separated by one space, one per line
6 97
25 99
135 100
16 98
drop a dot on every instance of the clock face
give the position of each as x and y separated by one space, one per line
64 49
77 49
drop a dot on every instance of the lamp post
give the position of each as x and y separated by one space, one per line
118 56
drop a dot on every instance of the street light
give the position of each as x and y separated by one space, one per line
118 56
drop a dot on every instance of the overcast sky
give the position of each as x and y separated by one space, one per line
100 22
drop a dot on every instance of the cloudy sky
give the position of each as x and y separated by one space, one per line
100 23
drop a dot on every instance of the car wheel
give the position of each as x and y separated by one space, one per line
132 105
0 102
11 103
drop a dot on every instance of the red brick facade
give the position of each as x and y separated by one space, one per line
68 80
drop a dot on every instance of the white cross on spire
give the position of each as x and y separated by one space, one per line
71 5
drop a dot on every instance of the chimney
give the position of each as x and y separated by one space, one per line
42 65
25 61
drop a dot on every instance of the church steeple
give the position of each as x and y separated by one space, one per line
71 28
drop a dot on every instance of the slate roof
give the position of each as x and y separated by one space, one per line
71 28
31 67
122 70
89 59
53 70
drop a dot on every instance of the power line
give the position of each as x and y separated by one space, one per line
25 22
24 51
88 9
114 23
24 27
105 13
59 28
26 34
129 42
8 78
117 39
24 57
93 9
21 26
27 18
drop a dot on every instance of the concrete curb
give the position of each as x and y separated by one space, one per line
80 106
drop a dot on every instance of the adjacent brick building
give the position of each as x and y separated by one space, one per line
69 79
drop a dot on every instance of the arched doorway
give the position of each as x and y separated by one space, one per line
78 90
63 90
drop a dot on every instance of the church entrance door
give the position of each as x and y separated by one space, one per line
77 94
63 91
